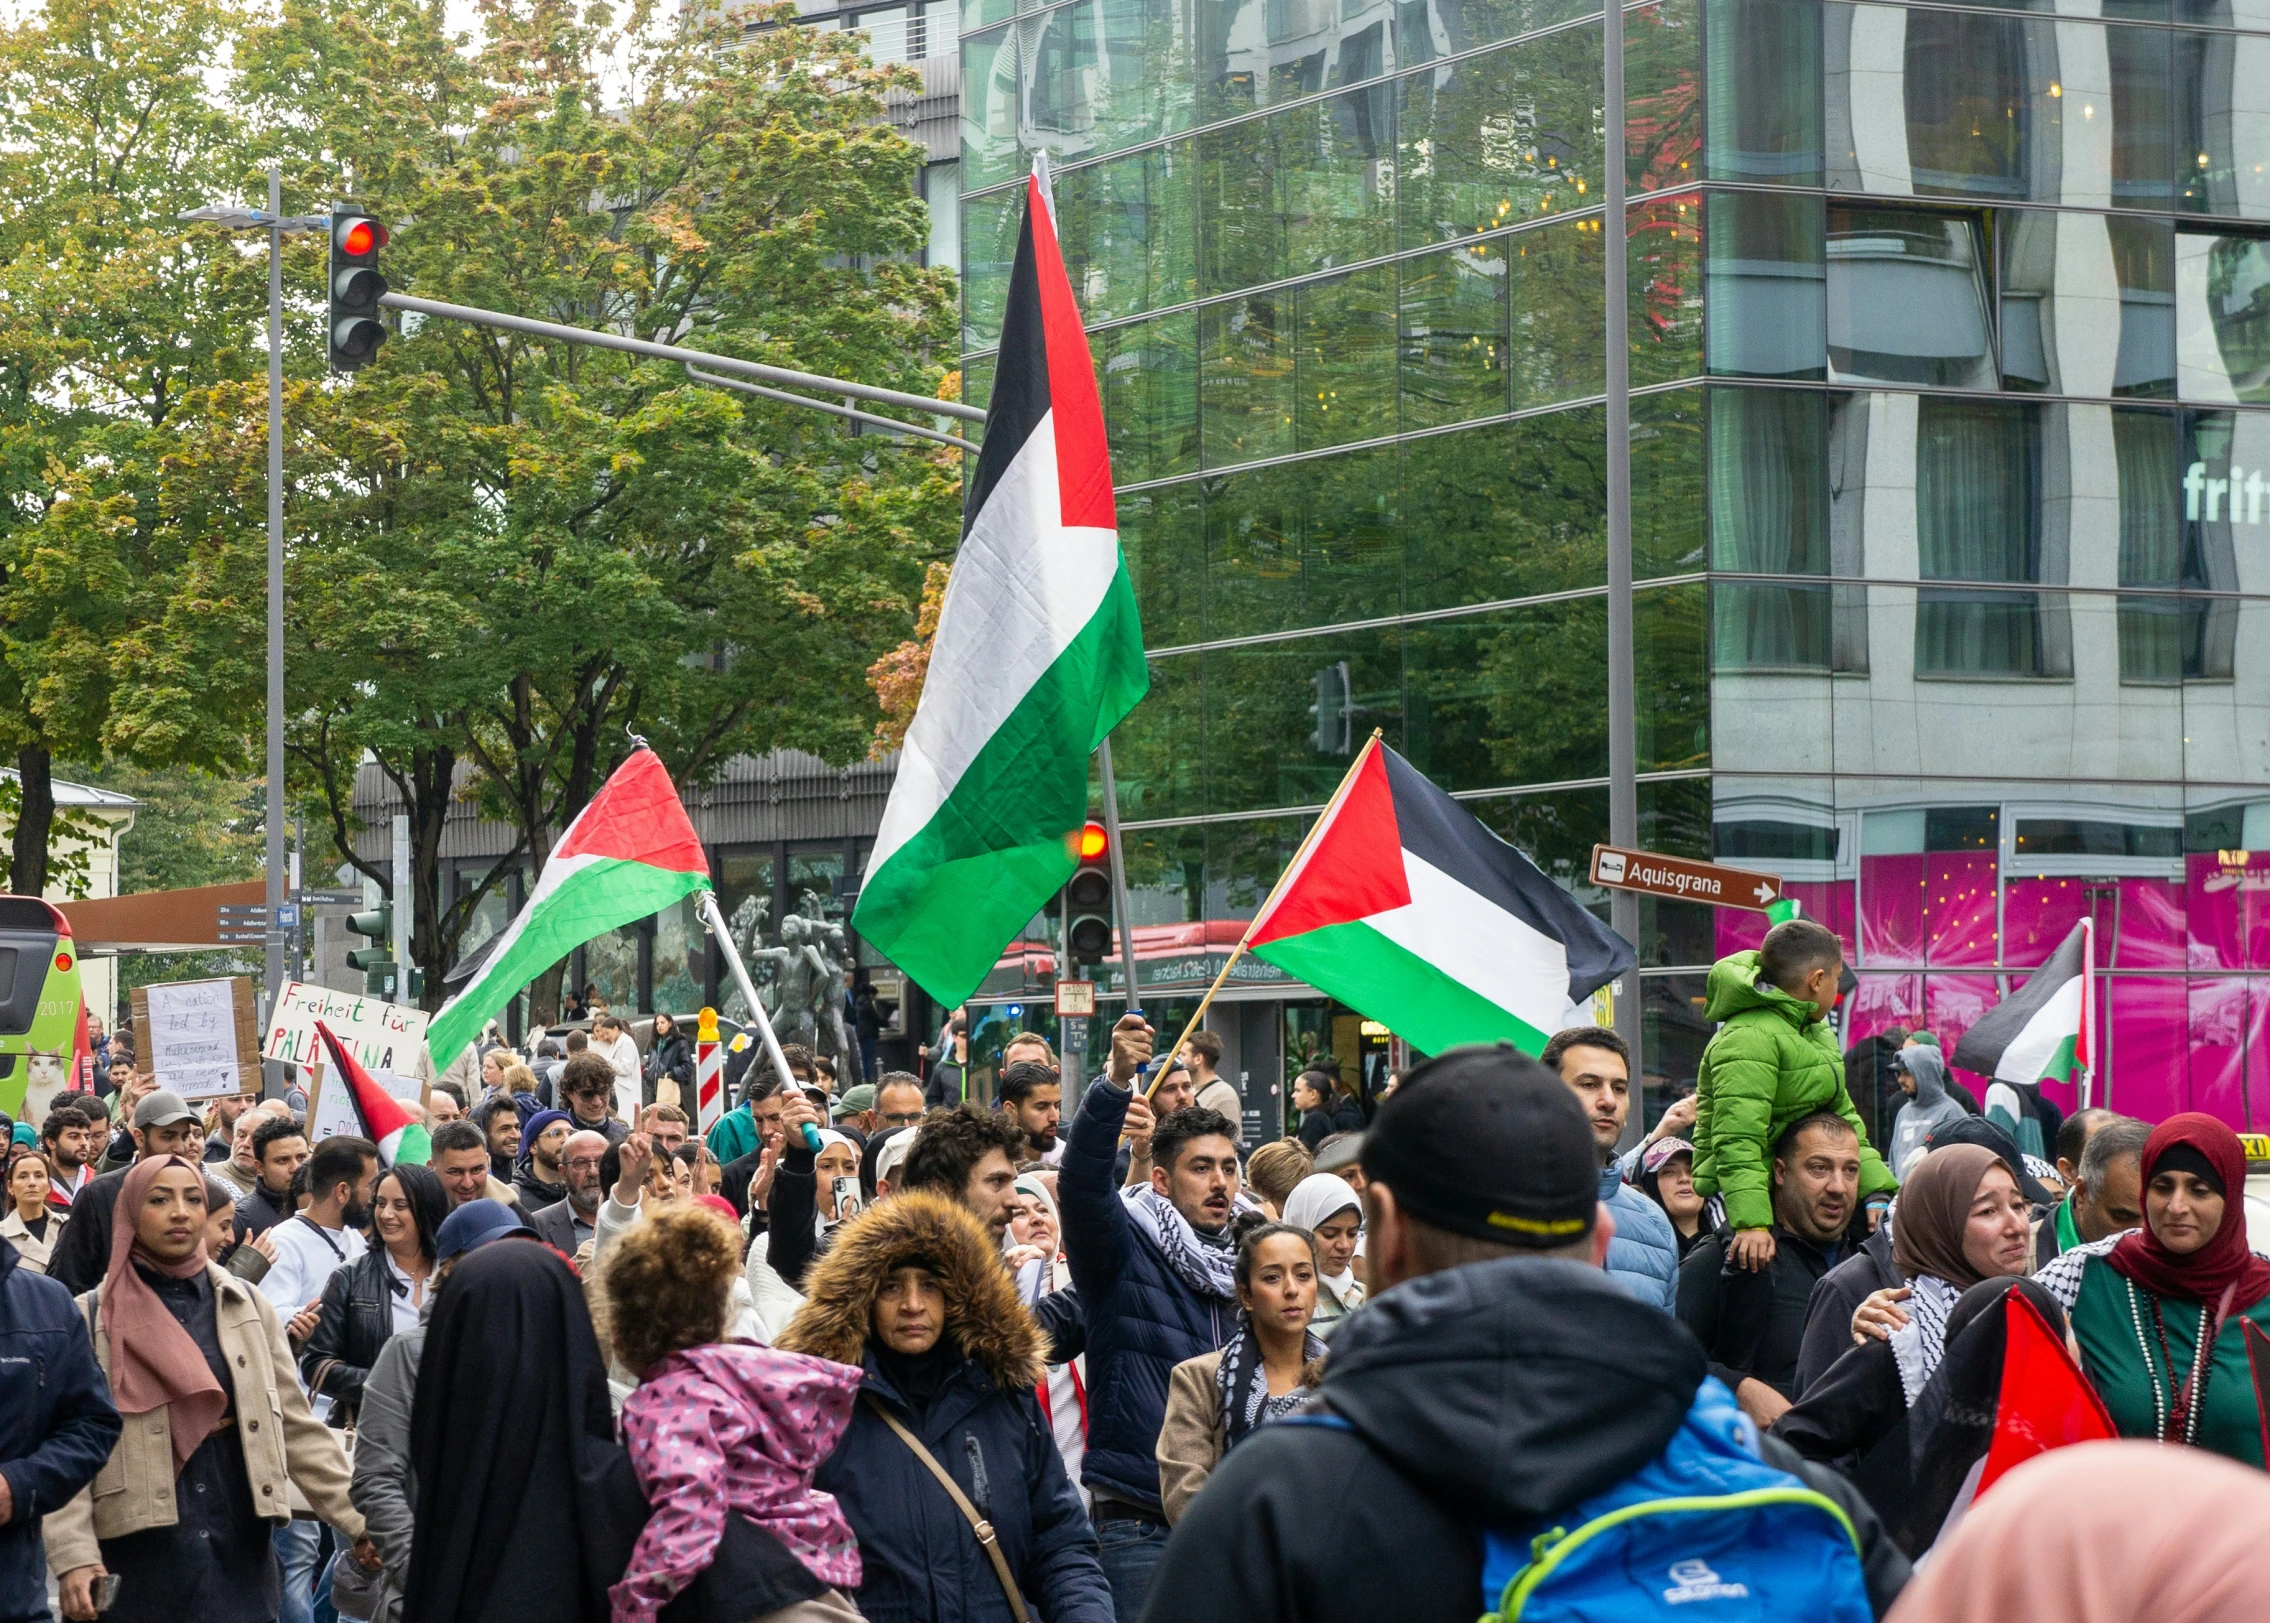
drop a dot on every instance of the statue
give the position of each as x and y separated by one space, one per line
747 923
802 978
834 951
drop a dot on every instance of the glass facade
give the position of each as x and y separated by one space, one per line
1950 331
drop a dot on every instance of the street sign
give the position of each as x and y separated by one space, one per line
1075 999
330 898
287 915
1683 879
241 910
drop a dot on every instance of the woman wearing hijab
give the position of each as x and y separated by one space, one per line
2179 1542
1036 1257
913 1291
200 1370
1323 1204
1961 1219
2143 1303
1217 1400
527 1509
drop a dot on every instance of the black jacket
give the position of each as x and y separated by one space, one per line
355 1320
1828 1316
947 1080
82 1255
671 1057
1855 1418
57 1422
535 1194
1499 1392
1750 1324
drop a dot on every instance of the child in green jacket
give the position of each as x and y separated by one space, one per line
1772 1061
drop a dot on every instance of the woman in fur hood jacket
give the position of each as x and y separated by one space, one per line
914 1292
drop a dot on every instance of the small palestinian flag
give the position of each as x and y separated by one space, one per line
401 1138
628 855
2045 1401
1037 656
1404 907
2036 1033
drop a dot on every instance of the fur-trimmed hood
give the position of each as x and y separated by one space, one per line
983 1313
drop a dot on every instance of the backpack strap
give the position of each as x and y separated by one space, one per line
978 1524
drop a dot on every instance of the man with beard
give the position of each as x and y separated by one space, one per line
537 1178
566 1225
70 1142
1032 1096
328 1235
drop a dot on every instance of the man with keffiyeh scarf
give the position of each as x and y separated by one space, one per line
1154 1268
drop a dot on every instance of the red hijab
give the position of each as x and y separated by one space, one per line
2224 1262
154 1362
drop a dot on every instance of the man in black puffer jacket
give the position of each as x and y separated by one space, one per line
1153 1271
1484 1382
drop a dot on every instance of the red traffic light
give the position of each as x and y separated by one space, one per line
363 237
1094 842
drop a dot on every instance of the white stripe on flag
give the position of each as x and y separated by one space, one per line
2028 1054
1479 945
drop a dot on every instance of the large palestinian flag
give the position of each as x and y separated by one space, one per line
1404 907
2036 1033
1037 656
629 854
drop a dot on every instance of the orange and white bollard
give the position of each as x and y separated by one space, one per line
709 1074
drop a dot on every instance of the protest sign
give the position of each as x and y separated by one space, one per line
199 1038
382 1036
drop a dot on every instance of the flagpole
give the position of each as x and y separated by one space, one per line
1262 911
714 918
2088 1010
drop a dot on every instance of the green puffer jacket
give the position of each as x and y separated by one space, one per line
1771 1062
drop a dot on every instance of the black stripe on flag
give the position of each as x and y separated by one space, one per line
1445 835
1020 376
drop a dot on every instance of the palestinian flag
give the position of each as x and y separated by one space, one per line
1404 907
629 854
2045 1400
1037 656
387 1122
2036 1033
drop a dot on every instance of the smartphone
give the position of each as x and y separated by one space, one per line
847 1200
106 1591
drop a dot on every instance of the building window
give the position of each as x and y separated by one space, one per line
1907 299
1764 88
942 193
2177 512
1762 279
1978 518
1768 516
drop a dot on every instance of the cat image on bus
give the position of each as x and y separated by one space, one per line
42 1011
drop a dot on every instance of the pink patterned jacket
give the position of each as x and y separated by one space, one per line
734 1426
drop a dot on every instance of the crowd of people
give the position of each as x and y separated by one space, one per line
882 1349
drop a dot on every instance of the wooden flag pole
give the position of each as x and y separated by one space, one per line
1262 911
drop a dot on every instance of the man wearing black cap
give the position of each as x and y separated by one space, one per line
1496 1376
162 1124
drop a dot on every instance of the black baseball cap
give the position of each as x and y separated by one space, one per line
1488 1143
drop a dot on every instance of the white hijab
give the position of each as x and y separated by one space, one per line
829 1139
1318 1198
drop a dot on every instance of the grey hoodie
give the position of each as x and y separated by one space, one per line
1931 1107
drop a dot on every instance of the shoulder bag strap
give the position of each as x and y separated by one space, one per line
978 1524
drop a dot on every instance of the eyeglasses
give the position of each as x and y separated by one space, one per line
899 1118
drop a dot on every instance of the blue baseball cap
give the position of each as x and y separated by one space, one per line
476 1223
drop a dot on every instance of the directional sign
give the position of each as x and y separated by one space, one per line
1683 879
330 898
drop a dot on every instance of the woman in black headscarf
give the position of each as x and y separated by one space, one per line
527 1508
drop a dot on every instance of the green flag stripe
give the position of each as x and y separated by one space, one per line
944 904
605 895
1395 986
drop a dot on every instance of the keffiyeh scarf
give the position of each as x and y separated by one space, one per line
1244 1384
1207 1266
1922 1341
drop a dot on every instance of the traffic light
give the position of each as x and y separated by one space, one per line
375 961
1087 898
1332 734
356 287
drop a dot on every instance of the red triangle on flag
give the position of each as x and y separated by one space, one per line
637 817
383 1115
2045 1402
1354 864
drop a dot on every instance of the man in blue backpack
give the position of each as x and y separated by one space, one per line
1497 1381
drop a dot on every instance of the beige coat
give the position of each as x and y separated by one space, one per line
284 1444
35 1252
1193 1437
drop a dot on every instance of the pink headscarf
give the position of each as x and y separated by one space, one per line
154 1362
2126 1532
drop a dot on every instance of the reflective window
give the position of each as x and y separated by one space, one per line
1769 515
1978 518
1301 191
1245 379
1161 537
1345 360
1255 53
1556 292
2169 539
2222 300
989 250
1315 700
1974 86
1764 276
1127 227
1765 91
1302 544
1664 278
1105 74
2087 304
2215 92
989 109
1512 510
1668 526
942 197
2143 154
1453 319
1148 376
1499 138
1663 109
1907 298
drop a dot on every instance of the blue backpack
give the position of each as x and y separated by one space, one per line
1706 1532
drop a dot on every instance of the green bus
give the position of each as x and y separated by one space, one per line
40 1006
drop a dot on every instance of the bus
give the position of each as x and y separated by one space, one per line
40 1008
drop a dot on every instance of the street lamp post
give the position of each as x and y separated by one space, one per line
277 225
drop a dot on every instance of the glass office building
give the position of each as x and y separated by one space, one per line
1950 348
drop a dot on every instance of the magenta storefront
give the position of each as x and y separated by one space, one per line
2183 993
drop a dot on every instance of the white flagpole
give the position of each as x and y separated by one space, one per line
714 918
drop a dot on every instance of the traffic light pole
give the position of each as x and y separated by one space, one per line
1118 877
272 956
